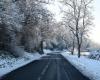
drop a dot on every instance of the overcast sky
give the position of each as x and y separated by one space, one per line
95 35
95 32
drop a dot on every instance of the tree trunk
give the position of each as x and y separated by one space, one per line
79 53
72 51
41 48
79 46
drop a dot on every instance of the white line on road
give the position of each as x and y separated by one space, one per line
44 70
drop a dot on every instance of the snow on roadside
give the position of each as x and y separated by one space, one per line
10 63
51 51
47 51
89 67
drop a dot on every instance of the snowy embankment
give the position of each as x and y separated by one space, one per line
89 67
8 63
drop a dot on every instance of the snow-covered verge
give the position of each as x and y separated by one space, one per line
9 63
89 67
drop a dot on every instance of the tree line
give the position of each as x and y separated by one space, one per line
26 25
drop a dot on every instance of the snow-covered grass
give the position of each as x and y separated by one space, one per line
89 67
9 63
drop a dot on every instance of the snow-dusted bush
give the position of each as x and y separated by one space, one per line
95 55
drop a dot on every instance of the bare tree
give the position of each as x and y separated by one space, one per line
79 19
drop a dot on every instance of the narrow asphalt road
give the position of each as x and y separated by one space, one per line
51 67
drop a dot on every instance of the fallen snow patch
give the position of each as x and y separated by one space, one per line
89 67
47 51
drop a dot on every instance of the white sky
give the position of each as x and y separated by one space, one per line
54 7
95 32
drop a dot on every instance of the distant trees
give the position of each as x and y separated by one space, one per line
78 19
